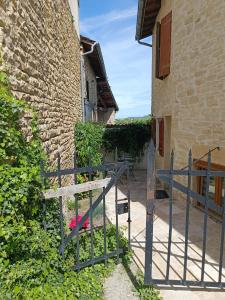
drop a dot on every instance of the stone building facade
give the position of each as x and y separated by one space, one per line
191 98
90 94
40 46
99 102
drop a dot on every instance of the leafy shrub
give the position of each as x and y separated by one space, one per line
30 264
145 292
71 204
142 120
15 150
98 242
19 171
88 143
127 137
41 272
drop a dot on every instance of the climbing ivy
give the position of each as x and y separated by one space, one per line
30 264
19 168
15 150
20 186
92 140
88 143
128 136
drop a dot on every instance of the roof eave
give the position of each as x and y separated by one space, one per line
101 60
98 54
139 19
147 10
114 103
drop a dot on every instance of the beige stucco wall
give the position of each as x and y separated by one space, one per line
91 78
74 8
193 95
41 52
107 116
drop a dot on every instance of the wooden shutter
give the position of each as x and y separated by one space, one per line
157 54
161 137
165 45
218 187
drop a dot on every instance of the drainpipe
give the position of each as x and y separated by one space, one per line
92 49
82 88
144 44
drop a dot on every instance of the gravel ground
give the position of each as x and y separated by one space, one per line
119 286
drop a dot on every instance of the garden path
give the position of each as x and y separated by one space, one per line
119 286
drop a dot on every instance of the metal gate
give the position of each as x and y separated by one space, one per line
206 204
111 175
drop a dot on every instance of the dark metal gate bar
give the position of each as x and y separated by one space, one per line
206 202
117 170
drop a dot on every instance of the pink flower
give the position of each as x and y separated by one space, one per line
75 220
86 224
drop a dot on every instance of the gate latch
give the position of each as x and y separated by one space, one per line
122 208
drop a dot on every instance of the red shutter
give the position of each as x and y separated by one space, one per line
165 45
161 137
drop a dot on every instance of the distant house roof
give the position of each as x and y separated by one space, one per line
106 98
96 58
147 13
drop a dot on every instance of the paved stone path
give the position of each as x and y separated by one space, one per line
119 286
138 216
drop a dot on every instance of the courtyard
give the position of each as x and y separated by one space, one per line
160 241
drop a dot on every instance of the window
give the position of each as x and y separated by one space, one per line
87 90
216 185
163 46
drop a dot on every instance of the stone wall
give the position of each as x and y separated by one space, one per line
192 97
41 52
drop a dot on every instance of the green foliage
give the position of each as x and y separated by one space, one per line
30 264
19 171
145 292
71 204
142 120
40 272
98 235
88 143
128 136
14 148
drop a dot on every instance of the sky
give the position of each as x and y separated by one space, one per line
128 64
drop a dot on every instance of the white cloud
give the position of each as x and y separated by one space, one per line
128 64
90 24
